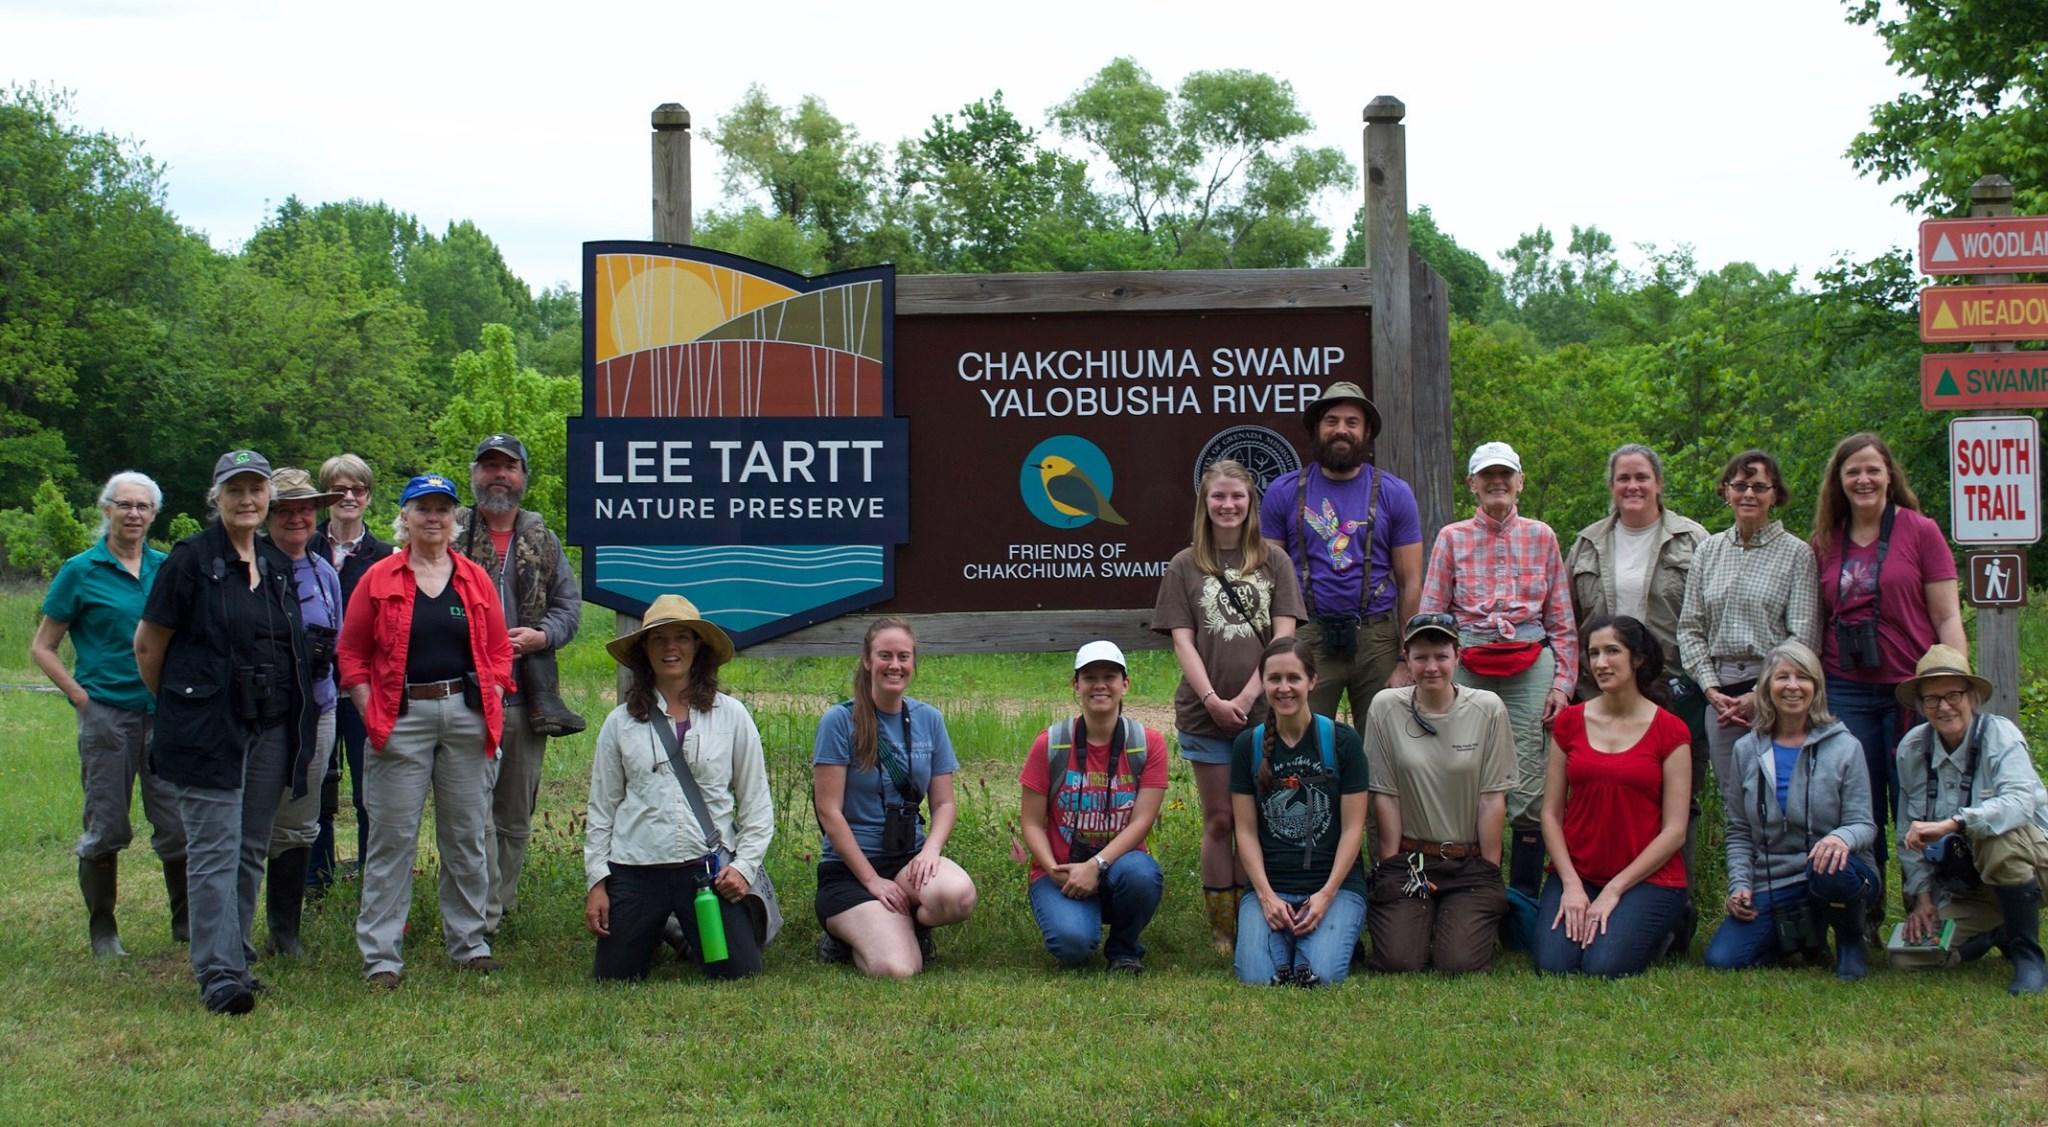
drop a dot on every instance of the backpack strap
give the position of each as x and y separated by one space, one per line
1326 738
1258 750
1059 744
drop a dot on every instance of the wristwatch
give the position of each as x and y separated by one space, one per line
1101 866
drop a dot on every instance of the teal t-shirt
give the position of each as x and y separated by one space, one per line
1300 821
101 603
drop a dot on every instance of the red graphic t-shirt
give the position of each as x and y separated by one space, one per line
1614 803
1085 804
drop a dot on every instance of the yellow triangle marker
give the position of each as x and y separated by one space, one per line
1943 319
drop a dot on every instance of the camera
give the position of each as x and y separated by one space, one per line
1856 642
899 829
1798 929
256 697
320 642
1340 635
1079 851
1955 865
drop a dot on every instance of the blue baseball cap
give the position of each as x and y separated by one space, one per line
426 485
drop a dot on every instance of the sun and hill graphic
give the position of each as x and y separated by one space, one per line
677 338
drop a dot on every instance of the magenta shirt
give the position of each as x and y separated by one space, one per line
1919 555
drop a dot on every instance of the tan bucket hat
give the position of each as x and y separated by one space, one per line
289 483
672 610
1941 661
1343 391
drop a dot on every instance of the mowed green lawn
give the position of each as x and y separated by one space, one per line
991 1032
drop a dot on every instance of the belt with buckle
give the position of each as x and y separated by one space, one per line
434 690
1444 850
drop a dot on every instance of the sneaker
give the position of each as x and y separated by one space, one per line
385 980
832 950
1283 977
258 986
234 1001
1306 978
482 964
1127 964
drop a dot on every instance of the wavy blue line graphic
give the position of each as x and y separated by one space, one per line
740 587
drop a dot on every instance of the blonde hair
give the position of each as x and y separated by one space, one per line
1249 541
1796 655
348 466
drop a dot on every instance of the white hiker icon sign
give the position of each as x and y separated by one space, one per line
1995 578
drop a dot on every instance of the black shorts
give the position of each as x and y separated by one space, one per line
839 891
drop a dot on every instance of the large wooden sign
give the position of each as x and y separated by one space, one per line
1998 245
1973 313
1965 381
1995 479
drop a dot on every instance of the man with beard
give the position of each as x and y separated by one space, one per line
543 605
1355 536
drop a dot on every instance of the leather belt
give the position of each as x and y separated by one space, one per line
434 690
1444 850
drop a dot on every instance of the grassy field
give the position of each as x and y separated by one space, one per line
991 1032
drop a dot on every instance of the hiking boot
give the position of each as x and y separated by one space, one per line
98 882
181 907
384 980
1221 904
284 892
926 949
481 964
2022 910
233 1001
540 687
831 949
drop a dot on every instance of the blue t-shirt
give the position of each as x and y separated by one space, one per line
1328 534
867 792
1783 761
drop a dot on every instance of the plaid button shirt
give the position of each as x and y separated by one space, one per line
1741 600
1503 579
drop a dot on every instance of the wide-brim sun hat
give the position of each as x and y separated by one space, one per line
1344 391
1941 661
293 484
672 610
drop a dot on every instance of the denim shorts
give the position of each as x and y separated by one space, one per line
1205 749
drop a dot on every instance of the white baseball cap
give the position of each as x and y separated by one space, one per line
1100 651
1494 454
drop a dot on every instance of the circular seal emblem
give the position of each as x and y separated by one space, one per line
1261 450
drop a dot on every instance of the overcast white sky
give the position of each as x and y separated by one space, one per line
1719 125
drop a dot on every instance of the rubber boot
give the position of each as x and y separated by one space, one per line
97 880
1222 907
1852 952
284 894
181 908
1525 863
2021 907
540 686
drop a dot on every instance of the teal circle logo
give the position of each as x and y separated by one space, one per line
1066 482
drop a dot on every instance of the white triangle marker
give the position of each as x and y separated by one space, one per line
1943 252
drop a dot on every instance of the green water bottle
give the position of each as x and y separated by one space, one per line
710 926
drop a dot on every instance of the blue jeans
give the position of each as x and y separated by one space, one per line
1636 932
1738 944
1128 898
1326 950
1876 720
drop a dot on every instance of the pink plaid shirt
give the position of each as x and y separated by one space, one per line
1502 579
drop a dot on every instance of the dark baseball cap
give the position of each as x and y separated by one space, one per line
503 443
240 462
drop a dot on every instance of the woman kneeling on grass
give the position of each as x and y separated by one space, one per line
1615 802
679 802
1443 762
882 883
1799 828
1085 817
1297 786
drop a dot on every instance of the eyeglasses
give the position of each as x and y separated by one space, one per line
135 506
1953 699
353 490
1749 486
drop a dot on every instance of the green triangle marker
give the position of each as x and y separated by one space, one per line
1947 386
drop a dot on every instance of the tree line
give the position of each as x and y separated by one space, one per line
127 340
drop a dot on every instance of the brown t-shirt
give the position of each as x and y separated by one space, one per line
1228 643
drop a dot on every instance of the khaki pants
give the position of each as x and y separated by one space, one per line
1362 675
2006 860
1524 694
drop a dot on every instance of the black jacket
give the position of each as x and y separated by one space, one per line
368 552
198 739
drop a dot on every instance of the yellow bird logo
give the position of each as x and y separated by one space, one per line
1072 493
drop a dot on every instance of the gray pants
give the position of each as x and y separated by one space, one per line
1720 738
227 832
113 755
297 824
437 744
513 794
1524 694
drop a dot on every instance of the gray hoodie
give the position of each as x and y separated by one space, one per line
1829 794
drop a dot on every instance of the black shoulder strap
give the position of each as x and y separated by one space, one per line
691 794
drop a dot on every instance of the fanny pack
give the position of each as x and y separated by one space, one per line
1500 659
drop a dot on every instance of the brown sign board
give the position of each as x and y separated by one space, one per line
1996 579
1055 454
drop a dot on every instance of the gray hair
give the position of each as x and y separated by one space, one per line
213 498
400 536
1795 654
126 477
1627 448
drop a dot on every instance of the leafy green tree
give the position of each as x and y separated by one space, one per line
494 393
1205 171
775 239
557 346
461 283
1981 106
980 196
383 238
803 165
39 540
1474 286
